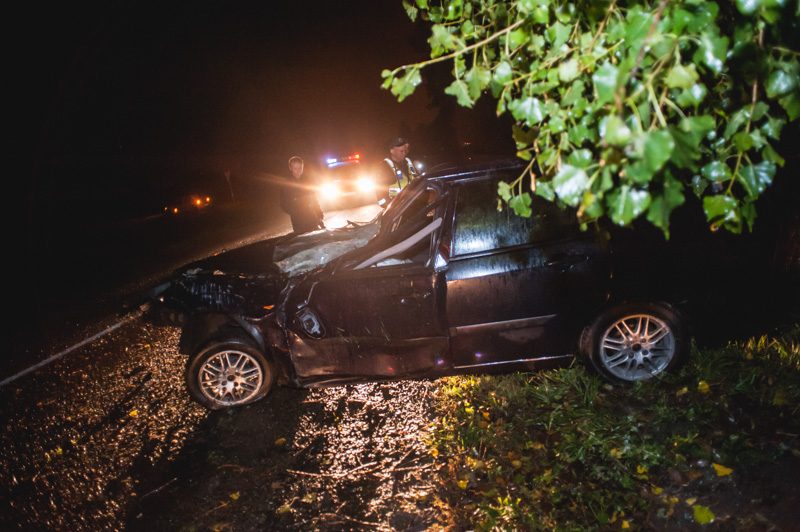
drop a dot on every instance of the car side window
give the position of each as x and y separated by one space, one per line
479 226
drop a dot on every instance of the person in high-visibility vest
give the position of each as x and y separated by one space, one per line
399 170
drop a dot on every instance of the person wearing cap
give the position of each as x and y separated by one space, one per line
299 200
400 171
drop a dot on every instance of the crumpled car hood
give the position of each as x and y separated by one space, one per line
249 280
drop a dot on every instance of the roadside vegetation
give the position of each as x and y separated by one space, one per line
709 447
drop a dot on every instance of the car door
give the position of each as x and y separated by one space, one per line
385 306
513 283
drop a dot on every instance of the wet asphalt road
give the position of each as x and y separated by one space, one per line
107 438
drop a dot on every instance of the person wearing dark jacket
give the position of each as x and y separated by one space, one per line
299 200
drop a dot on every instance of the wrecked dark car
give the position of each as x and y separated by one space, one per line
441 283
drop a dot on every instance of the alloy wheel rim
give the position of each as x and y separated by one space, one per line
637 347
230 377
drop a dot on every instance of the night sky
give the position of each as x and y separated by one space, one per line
117 108
136 101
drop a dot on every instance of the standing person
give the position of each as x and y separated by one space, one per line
399 170
299 200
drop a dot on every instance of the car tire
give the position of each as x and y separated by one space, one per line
635 341
228 373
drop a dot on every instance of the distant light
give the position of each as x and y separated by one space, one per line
420 165
329 189
365 184
357 156
198 202
331 160
175 210
208 199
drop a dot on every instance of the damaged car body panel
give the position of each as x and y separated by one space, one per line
441 283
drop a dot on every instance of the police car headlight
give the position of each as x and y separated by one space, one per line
329 189
365 184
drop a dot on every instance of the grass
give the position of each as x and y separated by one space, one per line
563 450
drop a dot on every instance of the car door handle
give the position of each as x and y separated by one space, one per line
410 297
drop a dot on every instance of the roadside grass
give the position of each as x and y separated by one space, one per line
563 450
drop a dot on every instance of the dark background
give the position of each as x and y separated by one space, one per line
115 109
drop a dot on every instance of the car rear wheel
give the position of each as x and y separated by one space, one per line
229 373
635 342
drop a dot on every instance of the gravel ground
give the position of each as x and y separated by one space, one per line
108 438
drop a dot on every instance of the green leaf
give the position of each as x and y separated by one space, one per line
756 178
568 70
411 10
580 158
404 86
779 83
716 171
702 514
528 110
460 90
748 7
736 121
694 95
626 204
658 147
773 156
570 184
712 52
441 41
791 104
503 73
615 131
504 190
557 34
605 82
521 205
544 189
773 128
639 173
681 77
478 79
518 37
662 205
541 15
723 211
743 141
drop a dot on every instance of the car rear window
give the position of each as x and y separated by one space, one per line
480 227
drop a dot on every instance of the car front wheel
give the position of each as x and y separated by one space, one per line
635 341
229 373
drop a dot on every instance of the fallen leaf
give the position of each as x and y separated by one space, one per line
641 470
721 470
280 442
691 500
615 453
284 509
516 464
486 415
703 514
682 391
234 496
133 413
309 498
463 484
703 387
59 451
656 490
625 524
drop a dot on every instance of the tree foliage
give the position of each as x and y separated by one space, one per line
622 108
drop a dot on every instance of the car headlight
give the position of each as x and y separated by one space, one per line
365 184
329 189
